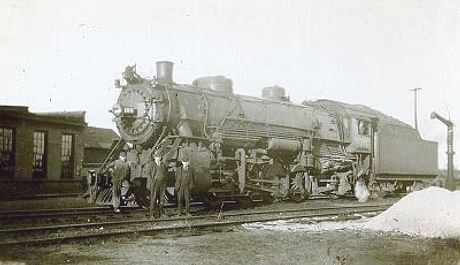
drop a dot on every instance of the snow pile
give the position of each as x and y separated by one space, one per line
303 225
432 212
309 224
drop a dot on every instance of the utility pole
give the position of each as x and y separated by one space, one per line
450 182
415 106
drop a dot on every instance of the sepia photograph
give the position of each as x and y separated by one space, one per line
229 132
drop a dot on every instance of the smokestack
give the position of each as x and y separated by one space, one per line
165 72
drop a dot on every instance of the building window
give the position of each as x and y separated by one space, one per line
40 154
67 156
7 149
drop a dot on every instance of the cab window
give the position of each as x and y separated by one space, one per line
363 127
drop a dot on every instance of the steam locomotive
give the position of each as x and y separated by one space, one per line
266 147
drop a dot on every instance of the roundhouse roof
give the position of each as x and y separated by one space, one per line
95 137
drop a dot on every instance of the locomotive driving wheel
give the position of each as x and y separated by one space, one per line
276 180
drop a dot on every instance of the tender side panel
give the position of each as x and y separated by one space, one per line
401 152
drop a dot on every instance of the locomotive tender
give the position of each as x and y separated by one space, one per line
269 147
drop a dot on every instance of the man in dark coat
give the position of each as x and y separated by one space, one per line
120 171
157 186
185 181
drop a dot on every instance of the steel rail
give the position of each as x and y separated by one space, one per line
58 212
37 213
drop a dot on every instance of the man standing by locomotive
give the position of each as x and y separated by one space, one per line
185 181
157 186
120 171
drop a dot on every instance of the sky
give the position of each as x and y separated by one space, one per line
65 54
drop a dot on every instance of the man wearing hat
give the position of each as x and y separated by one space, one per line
185 181
157 186
120 171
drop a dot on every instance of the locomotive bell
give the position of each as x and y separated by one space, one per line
165 72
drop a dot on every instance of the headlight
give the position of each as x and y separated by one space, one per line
116 110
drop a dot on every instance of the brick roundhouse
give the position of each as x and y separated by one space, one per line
40 153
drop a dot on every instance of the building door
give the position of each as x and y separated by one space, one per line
40 154
7 152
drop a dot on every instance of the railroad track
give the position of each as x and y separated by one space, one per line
37 217
18 218
81 231
45 213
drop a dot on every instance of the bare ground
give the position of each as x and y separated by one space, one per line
235 245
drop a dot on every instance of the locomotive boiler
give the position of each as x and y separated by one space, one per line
242 146
239 145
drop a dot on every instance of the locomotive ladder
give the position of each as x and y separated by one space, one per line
117 146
